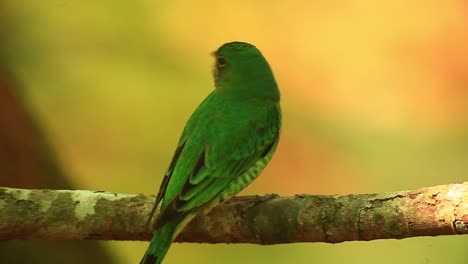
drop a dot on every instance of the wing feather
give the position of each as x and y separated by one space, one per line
228 159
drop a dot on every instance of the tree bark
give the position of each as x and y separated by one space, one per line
81 214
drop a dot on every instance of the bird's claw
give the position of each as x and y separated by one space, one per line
266 197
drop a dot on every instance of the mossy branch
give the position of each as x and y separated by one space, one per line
66 214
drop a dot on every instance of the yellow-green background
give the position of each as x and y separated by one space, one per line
374 96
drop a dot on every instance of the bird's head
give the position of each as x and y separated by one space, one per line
241 69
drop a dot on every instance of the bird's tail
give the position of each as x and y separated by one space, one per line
160 243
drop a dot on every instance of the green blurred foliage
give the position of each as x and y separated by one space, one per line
367 106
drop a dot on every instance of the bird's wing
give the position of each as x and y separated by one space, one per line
167 177
175 158
222 161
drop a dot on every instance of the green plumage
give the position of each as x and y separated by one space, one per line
225 145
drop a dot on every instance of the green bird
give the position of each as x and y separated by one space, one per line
226 143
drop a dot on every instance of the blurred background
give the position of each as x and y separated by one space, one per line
94 95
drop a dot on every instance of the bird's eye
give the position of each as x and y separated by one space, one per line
221 62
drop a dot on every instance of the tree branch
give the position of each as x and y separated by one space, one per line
63 214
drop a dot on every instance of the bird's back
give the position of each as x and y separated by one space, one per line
228 130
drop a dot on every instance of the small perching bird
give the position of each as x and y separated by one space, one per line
225 145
